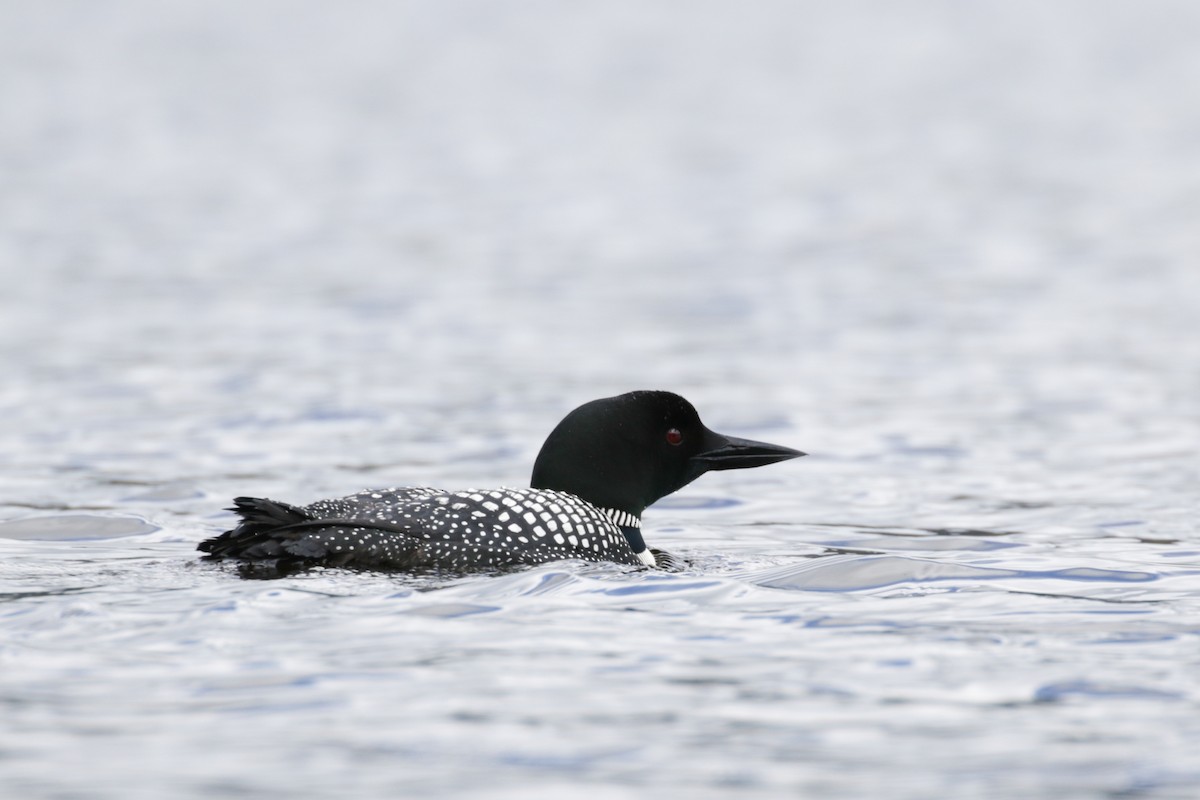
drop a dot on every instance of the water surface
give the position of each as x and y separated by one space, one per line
285 251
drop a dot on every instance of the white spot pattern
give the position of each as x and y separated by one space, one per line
403 528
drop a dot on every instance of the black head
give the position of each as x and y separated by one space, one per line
625 452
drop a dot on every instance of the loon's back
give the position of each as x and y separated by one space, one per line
416 528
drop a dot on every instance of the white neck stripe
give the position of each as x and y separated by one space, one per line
622 519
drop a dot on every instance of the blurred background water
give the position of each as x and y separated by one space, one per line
296 249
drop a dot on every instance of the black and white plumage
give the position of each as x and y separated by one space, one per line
596 473
418 527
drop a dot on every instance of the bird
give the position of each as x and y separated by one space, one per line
597 471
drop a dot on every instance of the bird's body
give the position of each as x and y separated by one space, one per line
414 528
595 474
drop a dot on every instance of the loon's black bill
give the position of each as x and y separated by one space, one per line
734 453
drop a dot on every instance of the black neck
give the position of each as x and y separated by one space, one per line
634 537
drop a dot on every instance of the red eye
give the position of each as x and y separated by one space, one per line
674 436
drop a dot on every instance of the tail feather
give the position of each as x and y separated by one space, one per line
252 536
260 513
274 539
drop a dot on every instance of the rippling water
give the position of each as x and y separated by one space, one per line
283 250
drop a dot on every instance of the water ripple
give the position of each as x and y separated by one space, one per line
75 527
856 573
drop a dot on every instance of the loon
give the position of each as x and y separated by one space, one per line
596 472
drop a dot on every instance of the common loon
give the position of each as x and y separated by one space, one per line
597 471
